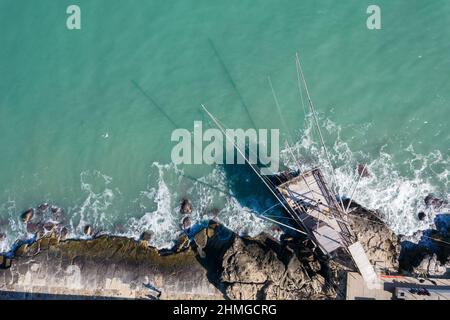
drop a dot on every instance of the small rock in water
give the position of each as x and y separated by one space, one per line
434 202
186 206
2 236
186 223
88 230
145 236
421 215
43 207
56 212
215 212
363 171
49 226
27 215
119 228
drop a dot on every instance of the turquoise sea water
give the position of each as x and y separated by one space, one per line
75 129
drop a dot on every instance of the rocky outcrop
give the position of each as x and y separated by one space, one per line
431 255
251 270
382 246
261 267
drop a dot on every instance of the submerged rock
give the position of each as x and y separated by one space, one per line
146 236
186 206
43 207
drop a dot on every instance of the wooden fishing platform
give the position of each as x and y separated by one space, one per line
316 209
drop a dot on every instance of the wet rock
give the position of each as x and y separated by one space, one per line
214 212
119 228
363 171
186 222
43 207
201 240
432 201
2 236
27 215
57 213
88 230
186 206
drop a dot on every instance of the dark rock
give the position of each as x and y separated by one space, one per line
186 206
88 230
421 215
186 222
2 236
27 215
215 212
432 201
43 207
363 171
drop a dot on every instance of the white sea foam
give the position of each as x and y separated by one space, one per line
397 196
93 210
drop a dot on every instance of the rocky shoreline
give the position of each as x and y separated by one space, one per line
212 263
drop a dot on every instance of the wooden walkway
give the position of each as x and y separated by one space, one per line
317 210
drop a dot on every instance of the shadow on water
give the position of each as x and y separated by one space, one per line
242 182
